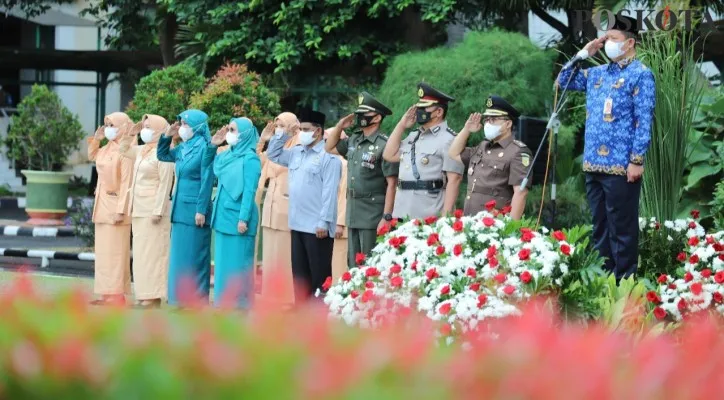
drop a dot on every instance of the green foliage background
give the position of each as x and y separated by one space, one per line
165 92
44 132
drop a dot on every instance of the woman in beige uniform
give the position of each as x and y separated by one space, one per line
339 255
277 284
150 210
110 211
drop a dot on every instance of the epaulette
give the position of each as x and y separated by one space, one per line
383 136
519 143
451 131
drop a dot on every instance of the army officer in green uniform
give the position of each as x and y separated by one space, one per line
371 181
498 165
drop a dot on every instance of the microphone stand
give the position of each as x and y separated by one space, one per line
553 125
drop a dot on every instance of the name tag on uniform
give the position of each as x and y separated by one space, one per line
608 107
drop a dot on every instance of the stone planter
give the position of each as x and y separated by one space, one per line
46 196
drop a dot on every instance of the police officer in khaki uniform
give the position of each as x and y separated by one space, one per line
371 181
429 179
498 165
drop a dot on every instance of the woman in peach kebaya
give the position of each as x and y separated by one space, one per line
150 210
277 284
110 211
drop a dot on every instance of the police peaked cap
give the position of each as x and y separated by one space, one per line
430 96
367 103
498 107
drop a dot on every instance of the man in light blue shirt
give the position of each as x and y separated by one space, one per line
314 177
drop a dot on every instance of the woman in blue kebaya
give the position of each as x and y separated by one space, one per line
190 256
235 215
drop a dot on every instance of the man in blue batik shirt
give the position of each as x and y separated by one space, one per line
314 178
620 99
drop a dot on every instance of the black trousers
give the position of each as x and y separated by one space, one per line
311 263
615 207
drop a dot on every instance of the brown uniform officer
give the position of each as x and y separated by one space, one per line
498 165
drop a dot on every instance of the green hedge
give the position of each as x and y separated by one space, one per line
165 92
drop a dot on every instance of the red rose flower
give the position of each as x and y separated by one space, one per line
672 286
662 278
524 254
718 246
475 286
688 277
721 257
482 299
416 222
490 205
413 266
457 226
718 297
445 290
395 242
487 221
681 257
471 273
696 288
396 269
526 277
383 230
371 272
559 236
393 223
367 295
681 305
566 249
492 250
445 308
653 297
692 225
369 285
500 278
458 213
359 258
719 277
693 259
396 281
526 236
327 283
693 241
706 273
431 274
695 214
457 250
659 313
354 294
433 239
493 262
346 276
509 290
506 210
445 329
709 240
440 250
430 220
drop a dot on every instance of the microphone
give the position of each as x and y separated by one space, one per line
580 56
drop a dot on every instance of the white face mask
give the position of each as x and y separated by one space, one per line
146 135
278 131
306 137
614 49
491 131
232 138
110 132
185 132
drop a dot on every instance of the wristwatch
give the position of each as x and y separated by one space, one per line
387 217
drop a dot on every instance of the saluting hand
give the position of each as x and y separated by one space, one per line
172 130
220 136
100 134
346 122
268 131
408 119
595 45
135 129
473 123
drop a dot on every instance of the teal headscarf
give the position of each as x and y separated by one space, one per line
229 165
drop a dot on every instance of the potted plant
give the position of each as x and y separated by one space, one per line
41 137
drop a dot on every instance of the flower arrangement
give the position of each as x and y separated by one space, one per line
458 270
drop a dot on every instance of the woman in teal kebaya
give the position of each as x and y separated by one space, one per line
235 216
190 255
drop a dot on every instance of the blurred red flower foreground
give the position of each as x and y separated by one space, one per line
61 348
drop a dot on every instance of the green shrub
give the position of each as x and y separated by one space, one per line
236 92
571 204
44 132
165 92
494 62
717 206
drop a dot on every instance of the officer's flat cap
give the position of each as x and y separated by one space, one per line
625 24
431 96
306 114
498 107
367 103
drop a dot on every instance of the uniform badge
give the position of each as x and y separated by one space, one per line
525 159
420 93
618 83
360 99
372 147
501 154
489 102
424 160
470 171
603 150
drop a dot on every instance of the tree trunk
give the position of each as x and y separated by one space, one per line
167 37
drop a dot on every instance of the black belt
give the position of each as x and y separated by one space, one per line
420 185
357 194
